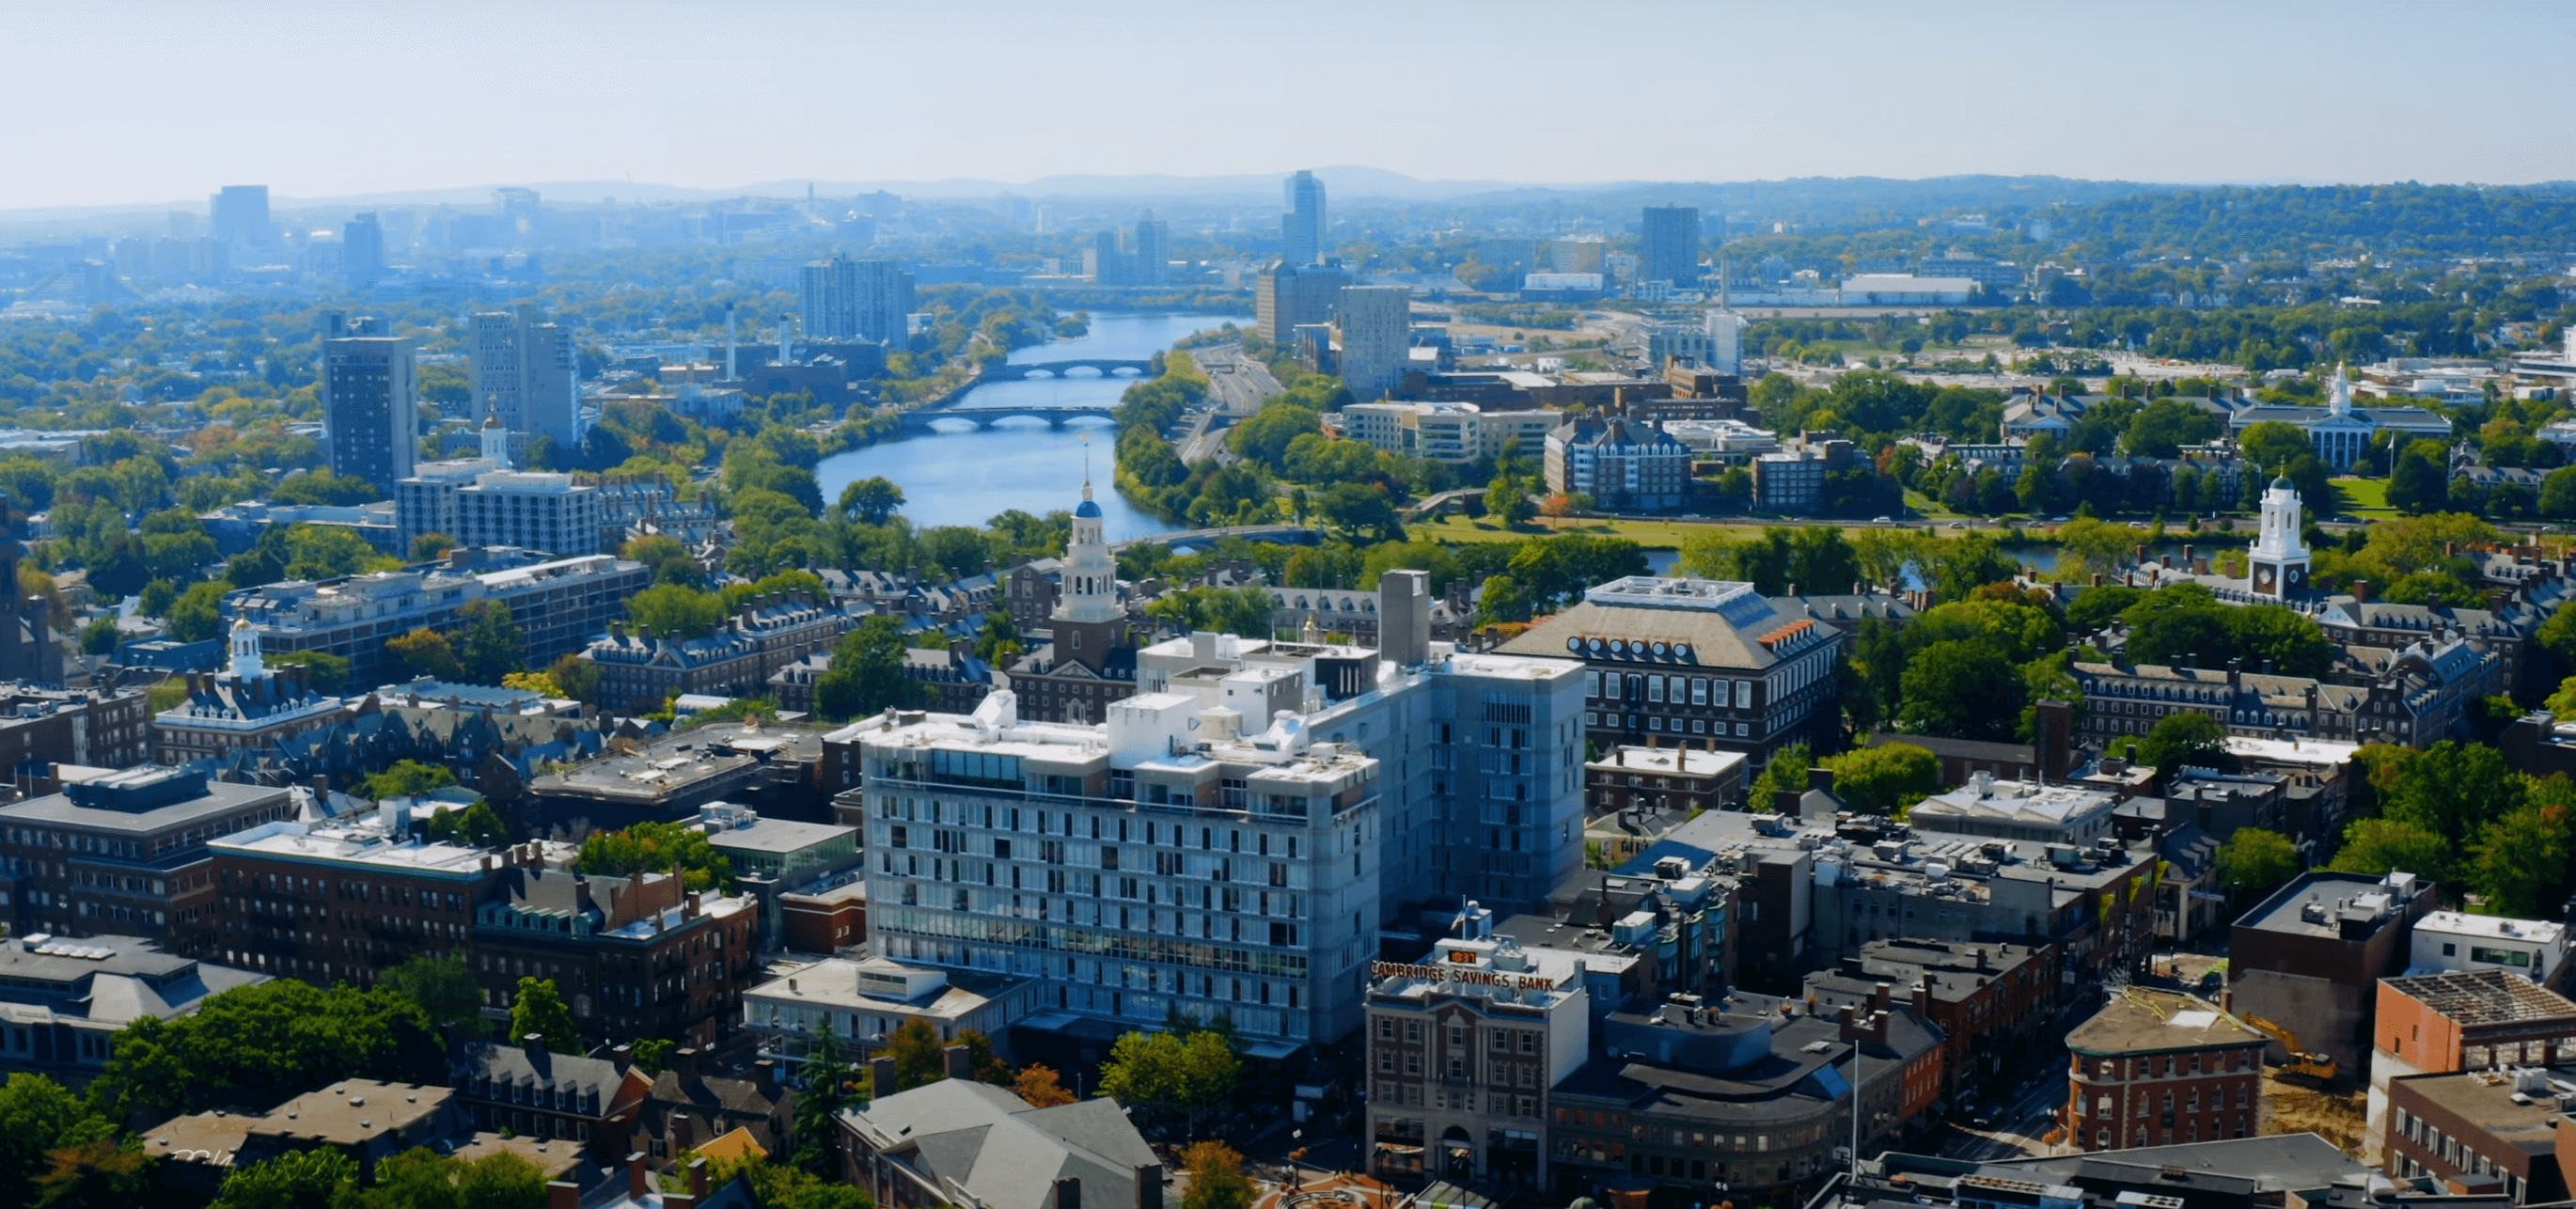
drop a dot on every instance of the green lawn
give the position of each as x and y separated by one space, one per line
2365 496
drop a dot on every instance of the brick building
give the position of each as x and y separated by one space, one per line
126 854
2460 1020
344 903
42 729
2154 1068
1996 1003
2491 1132
640 956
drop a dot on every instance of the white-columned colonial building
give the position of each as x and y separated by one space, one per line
2342 433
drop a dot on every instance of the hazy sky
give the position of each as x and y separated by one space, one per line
146 102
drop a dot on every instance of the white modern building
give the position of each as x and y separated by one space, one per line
1232 837
1376 326
1455 433
1906 289
483 502
2451 940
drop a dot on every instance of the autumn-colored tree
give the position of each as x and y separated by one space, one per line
1039 1085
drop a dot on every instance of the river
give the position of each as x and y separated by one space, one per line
963 475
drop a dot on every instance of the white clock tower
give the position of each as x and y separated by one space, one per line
2279 560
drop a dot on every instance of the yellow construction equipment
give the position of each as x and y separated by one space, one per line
2303 1064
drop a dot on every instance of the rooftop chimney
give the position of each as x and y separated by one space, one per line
1149 1186
698 1178
639 1175
960 1064
2361 591
563 1194
1068 1193
881 1077
535 1045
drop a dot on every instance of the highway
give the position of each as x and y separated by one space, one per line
1237 387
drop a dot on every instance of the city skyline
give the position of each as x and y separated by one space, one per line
2276 94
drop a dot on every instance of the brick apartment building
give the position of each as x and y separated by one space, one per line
2154 1068
1996 1003
338 904
126 854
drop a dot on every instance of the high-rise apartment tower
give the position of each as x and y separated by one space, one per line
1670 249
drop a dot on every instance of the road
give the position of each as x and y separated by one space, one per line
1237 387
2018 1125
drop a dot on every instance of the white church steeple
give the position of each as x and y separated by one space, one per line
247 664
496 442
1090 588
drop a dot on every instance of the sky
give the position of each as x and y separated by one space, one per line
150 102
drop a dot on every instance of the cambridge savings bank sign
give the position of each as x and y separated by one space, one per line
1461 975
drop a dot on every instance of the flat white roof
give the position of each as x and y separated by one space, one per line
2322 752
2493 927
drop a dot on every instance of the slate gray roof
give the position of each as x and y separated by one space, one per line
1007 1154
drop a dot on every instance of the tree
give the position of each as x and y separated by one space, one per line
919 1057
1507 499
421 1178
443 988
326 552
299 1179
476 826
867 672
1038 1085
1787 772
1216 1178
430 546
538 1008
38 1115
2255 861
2453 790
870 501
328 673
426 652
1961 690
100 636
1887 779
325 488
97 1174
2519 861
406 779
2382 846
197 615
831 1084
265 1044
672 563
492 646
2417 485
653 846
999 641
673 611
2186 737
1171 1072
